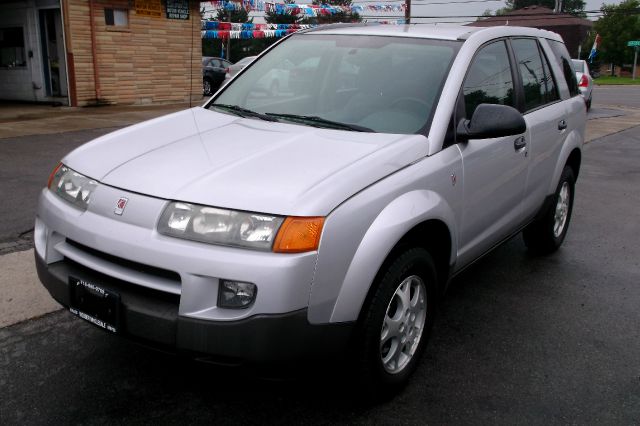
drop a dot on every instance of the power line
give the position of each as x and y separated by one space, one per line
521 16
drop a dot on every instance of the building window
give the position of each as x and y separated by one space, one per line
12 48
116 17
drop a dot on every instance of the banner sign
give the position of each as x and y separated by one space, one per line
310 10
177 9
149 8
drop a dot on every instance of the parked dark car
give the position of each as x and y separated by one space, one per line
213 71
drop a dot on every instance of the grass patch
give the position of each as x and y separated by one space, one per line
605 80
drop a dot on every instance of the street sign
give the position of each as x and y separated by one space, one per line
634 43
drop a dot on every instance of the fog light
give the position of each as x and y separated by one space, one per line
236 295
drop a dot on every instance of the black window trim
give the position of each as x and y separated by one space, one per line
521 86
460 108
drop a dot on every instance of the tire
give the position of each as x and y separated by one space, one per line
385 360
547 234
207 86
589 104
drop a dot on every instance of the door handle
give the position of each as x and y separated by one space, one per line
519 143
562 125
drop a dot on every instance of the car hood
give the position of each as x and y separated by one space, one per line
222 160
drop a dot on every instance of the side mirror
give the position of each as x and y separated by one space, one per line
491 121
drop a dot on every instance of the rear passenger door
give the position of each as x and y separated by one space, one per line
546 117
495 170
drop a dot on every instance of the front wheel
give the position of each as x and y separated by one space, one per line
396 323
547 234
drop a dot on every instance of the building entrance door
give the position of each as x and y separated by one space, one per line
53 56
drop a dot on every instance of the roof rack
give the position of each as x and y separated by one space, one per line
341 25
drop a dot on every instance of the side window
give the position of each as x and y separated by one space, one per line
563 58
489 78
539 87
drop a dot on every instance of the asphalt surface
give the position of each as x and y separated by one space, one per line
628 96
25 165
519 339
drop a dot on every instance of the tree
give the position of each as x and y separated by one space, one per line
618 25
235 50
271 17
334 17
234 15
574 7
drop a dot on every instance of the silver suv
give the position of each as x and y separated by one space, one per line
325 220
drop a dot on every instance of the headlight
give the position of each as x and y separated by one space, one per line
71 186
219 226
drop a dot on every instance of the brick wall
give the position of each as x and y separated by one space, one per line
149 61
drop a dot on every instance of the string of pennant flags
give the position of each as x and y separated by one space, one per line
226 30
228 26
310 10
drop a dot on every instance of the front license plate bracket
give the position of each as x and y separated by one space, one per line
95 304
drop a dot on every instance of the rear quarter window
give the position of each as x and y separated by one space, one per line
562 56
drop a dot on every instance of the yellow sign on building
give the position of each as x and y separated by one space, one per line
149 8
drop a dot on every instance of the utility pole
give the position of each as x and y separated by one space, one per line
635 62
407 11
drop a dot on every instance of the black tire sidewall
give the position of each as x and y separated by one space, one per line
567 176
415 261
539 236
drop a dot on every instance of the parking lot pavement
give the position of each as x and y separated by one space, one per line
26 161
519 339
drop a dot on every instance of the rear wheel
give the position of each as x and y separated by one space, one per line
396 323
547 234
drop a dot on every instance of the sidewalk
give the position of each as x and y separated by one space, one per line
18 119
21 295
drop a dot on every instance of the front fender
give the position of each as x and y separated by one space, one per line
393 223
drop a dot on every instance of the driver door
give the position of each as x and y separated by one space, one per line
495 170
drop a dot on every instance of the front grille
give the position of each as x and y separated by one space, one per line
149 270
133 292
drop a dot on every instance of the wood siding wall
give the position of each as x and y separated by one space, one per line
150 61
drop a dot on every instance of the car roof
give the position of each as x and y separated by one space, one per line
433 31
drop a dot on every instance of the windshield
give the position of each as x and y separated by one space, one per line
578 66
372 83
246 60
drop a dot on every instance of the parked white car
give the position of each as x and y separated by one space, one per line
324 223
585 81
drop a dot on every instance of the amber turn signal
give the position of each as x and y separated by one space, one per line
299 234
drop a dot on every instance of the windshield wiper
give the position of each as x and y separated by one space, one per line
320 122
244 112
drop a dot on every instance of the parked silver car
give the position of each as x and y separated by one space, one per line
236 68
327 222
585 81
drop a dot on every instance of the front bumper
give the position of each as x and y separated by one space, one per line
152 317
